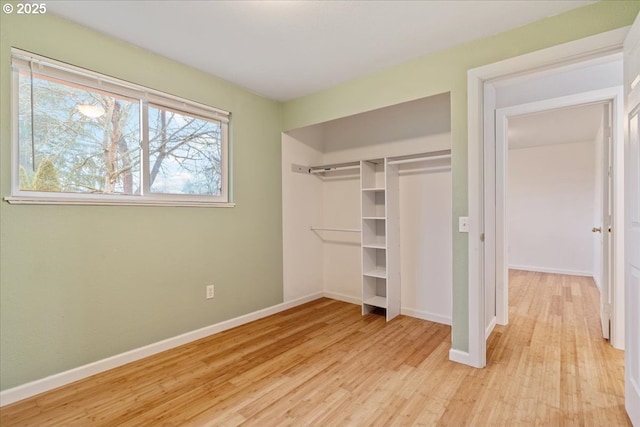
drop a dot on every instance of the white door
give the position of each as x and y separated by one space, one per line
605 227
632 223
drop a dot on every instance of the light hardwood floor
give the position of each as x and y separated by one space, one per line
323 364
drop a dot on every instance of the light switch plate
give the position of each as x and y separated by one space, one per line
463 224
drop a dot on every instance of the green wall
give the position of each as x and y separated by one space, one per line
447 72
82 283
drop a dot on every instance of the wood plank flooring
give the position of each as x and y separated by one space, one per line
323 364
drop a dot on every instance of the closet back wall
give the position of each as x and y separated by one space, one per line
425 205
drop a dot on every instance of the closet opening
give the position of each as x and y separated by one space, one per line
367 210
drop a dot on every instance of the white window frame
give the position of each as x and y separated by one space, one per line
25 60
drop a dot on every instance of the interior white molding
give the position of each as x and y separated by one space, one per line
579 50
426 315
551 270
342 297
616 96
490 327
58 380
461 357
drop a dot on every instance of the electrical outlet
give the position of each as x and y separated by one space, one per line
209 291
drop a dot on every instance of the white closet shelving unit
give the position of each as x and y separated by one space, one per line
380 207
380 222
380 237
331 247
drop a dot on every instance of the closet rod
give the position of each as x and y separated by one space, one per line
432 169
418 159
348 230
331 169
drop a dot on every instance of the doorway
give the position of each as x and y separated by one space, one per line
554 198
496 251
483 101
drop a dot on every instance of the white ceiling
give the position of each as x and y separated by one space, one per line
287 49
562 126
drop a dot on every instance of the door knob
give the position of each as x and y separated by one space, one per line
596 230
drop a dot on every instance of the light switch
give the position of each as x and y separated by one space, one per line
463 224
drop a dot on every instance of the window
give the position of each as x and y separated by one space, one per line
81 137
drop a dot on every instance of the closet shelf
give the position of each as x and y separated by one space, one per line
333 168
423 157
379 273
377 301
375 246
374 217
348 230
436 169
373 189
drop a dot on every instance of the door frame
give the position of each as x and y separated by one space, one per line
614 95
590 47
631 57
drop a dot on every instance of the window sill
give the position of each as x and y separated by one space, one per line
115 202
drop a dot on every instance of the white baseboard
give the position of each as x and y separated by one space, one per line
490 327
426 315
551 270
465 358
63 378
57 380
419 314
295 302
459 356
343 297
597 282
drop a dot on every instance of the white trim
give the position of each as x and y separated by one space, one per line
412 312
597 282
490 327
342 297
45 68
632 255
589 47
477 353
114 201
607 94
551 270
57 380
51 67
426 315
615 95
461 357
42 385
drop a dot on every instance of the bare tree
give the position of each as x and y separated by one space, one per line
103 154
